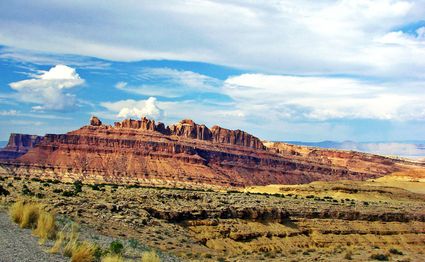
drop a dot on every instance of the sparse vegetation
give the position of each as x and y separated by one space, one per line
46 226
32 215
26 191
112 258
25 214
83 252
150 256
4 191
349 255
380 257
395 251
60 237
116 247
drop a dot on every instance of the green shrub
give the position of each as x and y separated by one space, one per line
78 186
380 257
395 251
116 247
39 195
26 191
4 191
69 193
133 243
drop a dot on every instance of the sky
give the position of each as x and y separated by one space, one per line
281 70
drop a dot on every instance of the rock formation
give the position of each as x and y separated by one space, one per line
145 152
94 121
18 145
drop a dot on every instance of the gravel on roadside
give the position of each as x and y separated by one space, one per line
18 245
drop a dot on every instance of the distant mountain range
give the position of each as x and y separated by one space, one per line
408 149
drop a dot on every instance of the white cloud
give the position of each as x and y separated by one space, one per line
293 37
47 89
322 98
132 108
11 112
167 82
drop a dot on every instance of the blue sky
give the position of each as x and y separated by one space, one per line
282 70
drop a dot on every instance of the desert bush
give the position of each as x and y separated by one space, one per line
112 258
78 186
83 252
380 257
133 243
26 191
57 190
39 195
68 193
150 256
4 191
46 226
395 251
116 247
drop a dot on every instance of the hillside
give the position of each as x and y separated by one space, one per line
145 152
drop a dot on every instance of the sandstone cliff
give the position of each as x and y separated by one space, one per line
18 145
143 151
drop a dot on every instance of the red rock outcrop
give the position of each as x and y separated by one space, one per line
18 145
145 152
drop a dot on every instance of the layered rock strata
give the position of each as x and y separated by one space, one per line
18 145
143 151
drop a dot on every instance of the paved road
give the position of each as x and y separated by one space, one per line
18 245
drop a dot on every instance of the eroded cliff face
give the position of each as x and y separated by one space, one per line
142 151
18 145
352 160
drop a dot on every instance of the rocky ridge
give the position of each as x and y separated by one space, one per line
18 145
145 152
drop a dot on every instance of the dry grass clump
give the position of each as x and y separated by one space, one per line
25 214
83 252
46 226
150 256
112 258
60 237
72 240
32 215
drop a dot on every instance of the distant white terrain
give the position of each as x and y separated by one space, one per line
406 149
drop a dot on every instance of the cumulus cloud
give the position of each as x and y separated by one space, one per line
132 108
48 89
322 98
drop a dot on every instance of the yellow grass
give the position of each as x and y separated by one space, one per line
112 258
150 256
83 252
16 211
46 227
25 214
58 243
30 215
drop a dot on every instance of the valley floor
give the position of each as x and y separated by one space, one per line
322 221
